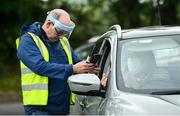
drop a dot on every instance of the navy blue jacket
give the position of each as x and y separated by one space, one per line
57 69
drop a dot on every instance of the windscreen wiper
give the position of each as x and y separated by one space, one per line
169 92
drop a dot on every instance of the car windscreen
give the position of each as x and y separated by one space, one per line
151 64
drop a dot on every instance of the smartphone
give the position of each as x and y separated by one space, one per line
95 58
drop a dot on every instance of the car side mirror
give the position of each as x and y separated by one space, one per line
84 84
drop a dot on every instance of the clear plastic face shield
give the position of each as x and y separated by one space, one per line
62 29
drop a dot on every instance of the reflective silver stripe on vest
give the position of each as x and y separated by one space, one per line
26 71
35 87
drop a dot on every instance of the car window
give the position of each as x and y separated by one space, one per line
103 48
105 64
149 64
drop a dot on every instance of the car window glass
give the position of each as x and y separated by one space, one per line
150 63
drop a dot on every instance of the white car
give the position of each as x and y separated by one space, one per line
143 68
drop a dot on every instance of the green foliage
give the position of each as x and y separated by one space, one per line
10 83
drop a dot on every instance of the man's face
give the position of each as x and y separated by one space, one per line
54 33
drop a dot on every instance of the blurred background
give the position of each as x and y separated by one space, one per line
92 17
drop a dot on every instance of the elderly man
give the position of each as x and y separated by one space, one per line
47 60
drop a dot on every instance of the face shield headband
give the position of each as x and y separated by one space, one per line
67 28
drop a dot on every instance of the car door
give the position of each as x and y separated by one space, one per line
91 104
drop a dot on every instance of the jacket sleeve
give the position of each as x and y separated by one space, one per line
31 56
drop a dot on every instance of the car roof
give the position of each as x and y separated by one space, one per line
150 31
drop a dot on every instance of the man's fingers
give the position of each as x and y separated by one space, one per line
97 69
87 68
90 64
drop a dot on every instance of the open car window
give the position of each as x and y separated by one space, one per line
102 47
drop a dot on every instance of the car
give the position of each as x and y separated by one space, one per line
84 50
143 67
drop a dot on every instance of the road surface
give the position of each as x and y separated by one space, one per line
15 108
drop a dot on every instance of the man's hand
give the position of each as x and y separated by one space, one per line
96 70
83 67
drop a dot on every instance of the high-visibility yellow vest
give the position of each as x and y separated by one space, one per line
34 86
